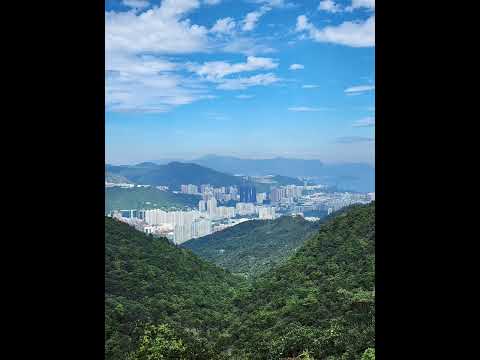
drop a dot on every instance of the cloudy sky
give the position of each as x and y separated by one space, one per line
249 78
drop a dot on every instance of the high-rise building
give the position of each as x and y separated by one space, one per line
277 194
212 207
245 208
202 206
189 189
248 194
261 197
266 212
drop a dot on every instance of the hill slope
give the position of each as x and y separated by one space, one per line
173 174
117 198
151 281
255 246
321 299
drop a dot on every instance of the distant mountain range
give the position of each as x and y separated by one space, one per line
176 173
173 174
346 176
254 247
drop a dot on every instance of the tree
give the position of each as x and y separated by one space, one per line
157 343
369 354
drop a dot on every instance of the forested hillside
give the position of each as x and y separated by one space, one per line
253 247
151 282
163 302
173 174
320 300
117 198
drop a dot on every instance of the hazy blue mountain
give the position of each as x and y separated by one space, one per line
348 176
173 174
275 166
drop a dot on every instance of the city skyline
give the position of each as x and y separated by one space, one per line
247 78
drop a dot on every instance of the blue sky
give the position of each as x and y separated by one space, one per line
248 78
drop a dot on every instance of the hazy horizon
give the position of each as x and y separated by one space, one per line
193 158
243 78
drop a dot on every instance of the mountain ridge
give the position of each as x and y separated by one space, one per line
255 246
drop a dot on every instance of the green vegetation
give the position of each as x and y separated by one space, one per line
173 175
116 179
321 300
117 198
253 247
163 302
150 282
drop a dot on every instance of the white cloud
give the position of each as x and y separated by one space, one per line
246 82
354 139
244 96
252 18
136 4
212 2
147 93
349 33
136 82
157 82
224 26
310 86
365 122
160 30
246 46
359 89
357 4
275 3
303 109
329 6
296 67
215 70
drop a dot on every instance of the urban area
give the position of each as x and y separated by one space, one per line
223 207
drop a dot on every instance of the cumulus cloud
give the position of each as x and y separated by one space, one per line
310 86
244 96
149 83
136 4
212 2
161 29
329 6
246 46
348 33
296 67
146 93
215 70
246 82
224 26
365 122
357 4
356 90
250 21
157 82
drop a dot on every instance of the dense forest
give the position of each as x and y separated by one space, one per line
321 299
117 198
253 247
150 282
164 302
